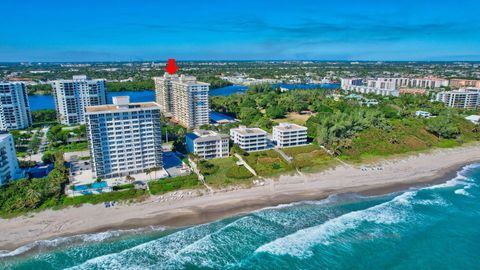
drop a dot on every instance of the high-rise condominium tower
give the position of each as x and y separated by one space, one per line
185 98
14 106
73 96
124 138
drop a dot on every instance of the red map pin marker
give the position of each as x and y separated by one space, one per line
171 67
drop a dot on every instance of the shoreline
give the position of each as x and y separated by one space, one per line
397 175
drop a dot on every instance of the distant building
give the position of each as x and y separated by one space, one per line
249 139
423 114
458 83
395 83
468 98
287 134
414 91
371 90
370 102
185 98
9 168
346 82
124 138
14 106
473 118
73 96
208 144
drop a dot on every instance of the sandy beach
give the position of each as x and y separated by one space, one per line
187 208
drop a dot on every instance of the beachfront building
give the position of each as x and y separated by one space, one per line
468 98
288 134
14 106
184 98
207 144
249 139
124 138
73 96
9 168
362 89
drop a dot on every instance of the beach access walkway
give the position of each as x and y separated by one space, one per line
242 162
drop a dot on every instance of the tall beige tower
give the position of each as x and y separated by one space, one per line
185 98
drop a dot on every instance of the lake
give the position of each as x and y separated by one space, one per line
42 102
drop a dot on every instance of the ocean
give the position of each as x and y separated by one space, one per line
436 227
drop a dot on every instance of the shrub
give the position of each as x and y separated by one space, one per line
238 172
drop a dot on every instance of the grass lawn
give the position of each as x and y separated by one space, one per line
73 147
227 172
176 183
294 117
310 158
268 163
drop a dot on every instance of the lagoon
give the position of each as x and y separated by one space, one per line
42 102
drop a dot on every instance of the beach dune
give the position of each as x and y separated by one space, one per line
382 177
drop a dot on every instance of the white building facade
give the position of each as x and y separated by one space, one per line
249 139
73 96
124 138
346 82
185 98
393 83
9 168
288 134
468 98
14 106
208 144
372 90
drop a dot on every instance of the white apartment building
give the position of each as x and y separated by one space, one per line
208 144
346 82
468 98
73 96
9 168
249 139
372 90
185 98
14 106
393 83
288 134
124 138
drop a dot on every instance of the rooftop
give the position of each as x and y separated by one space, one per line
113 107
249 131
200 135
289 126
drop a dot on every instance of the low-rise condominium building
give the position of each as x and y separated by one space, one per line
249 139
288 134
208 144
124 138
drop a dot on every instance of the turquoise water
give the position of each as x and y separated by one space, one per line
429 228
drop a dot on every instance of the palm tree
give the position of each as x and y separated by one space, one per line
148 172
130 178
33 197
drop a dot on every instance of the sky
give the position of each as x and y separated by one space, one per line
148 30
